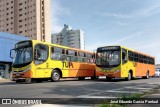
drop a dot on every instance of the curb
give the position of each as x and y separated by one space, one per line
4 80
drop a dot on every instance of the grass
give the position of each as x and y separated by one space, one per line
132 96
124 98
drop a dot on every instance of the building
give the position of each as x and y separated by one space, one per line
30 18
69 37
8 41
157 66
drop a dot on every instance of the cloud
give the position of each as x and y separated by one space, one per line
148 11
57 11
125 19
93 47
139 41
116 42
125 38
151 49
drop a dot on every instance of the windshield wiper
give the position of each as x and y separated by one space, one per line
23 51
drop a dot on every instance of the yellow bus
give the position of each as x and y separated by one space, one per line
36 60
122 62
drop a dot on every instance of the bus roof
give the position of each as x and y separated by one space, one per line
137 51
66 47
130 50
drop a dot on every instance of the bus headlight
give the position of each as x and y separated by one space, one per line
117 71
27 69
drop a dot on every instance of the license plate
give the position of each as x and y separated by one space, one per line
17 74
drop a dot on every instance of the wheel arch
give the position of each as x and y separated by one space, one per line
59 70
148 72
131 71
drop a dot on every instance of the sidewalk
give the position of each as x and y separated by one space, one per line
2 80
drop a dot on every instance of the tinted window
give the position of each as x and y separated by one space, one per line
57 53
41 53
71 55
82 57
90 58
124 56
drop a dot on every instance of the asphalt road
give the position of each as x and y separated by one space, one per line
77 89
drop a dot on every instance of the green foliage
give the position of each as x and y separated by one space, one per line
124 97
131 97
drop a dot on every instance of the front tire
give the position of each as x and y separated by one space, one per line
28 80
55 76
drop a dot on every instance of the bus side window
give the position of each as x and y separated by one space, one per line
82 57
71 55
90 58
41 53
68 58
57 54
124 56
131 56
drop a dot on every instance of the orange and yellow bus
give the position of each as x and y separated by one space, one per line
122 62
36 60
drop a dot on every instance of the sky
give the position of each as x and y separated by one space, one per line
131 23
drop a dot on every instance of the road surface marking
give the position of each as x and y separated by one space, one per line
154 83
128 92
87 96
139 88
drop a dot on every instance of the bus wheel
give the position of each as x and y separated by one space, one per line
55 76
28 80
81 78
129 76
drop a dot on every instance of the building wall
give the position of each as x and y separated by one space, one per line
29 18
82 45
158 66
8 41
69 37
47 20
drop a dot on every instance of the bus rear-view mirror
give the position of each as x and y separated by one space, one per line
12 53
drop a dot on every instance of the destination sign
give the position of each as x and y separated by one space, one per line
23 44
108 48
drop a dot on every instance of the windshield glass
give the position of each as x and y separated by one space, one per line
108 58
23 55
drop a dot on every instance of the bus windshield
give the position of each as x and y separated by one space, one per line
108 57
23 55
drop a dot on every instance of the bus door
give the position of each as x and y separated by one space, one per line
124 67
40 60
